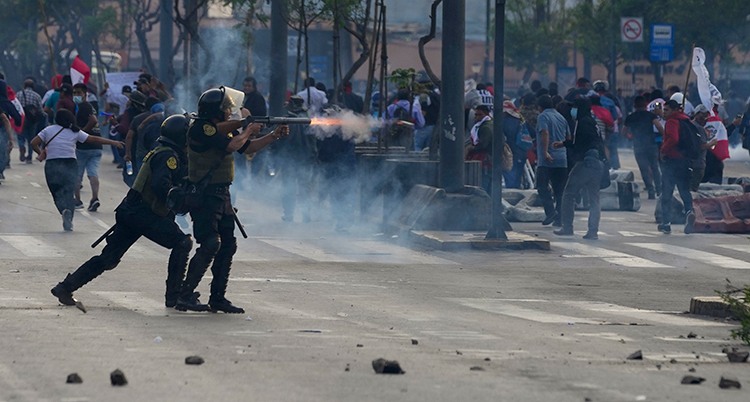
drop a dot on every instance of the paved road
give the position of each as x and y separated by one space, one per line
551 325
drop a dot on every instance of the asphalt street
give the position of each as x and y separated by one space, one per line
542 325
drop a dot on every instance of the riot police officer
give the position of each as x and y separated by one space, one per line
143 212
212 139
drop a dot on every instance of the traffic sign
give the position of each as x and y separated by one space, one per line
662 43
631 29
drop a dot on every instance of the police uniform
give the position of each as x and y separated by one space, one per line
143 212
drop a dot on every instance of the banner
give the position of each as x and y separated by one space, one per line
710 96
118 80
79 72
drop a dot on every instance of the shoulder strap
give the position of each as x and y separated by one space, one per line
53 137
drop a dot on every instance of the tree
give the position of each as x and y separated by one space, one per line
535 35
252 11
427 38
300 15
144 17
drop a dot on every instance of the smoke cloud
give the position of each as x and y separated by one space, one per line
348 124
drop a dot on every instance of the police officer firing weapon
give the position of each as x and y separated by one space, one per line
143 212
212 140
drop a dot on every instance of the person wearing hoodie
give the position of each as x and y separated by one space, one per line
586 144
676 168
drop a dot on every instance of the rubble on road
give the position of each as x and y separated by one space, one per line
637 355
414 342
476 368
729 382
117 378
691 379
382 366
737 357
195 360
74 378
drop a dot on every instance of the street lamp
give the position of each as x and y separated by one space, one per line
476 68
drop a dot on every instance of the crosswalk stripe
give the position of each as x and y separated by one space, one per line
135 301
688 253
635 234
95 220
35 184
744 248
401 254
538 311
307 250
32 246
613 257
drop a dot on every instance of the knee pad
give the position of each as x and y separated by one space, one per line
210 246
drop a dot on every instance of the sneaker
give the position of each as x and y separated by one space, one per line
549 219
63 295
665 228
225 306
22 153
591 236
79 204
28 161
67 216
564 232
689 222
93 206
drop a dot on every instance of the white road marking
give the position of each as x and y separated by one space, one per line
661 317
136 302
462 335
301 281
702 256
32 246
635 234
95 220
401 254
35 184
613 257
502 307
744 248
307 250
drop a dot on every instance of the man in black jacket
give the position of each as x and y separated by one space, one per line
143 212
586 143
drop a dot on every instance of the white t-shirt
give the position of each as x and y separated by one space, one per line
64 145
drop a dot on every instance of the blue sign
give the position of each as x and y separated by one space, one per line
662 42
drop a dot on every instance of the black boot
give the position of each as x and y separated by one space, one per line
225 306
195 272
63 295
176 271
220 270
191 303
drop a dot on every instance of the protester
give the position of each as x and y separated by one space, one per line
486 97
673 93
639 127
65 99
7 134
121 126
254 101
350 100
587 170
529 110
88 155
429 103
33 119
583 86
513 123
403 134
480 144
6 142
676 166
316 99
698 165
133 135
50 105
552 167
61 167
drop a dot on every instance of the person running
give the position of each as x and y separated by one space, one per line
61 167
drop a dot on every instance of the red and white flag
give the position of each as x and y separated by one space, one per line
79 72
710 96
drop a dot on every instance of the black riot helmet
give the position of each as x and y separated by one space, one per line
175 128
213 103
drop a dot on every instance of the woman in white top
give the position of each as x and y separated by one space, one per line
61 168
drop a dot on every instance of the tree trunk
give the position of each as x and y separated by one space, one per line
146 60
336 49
424 40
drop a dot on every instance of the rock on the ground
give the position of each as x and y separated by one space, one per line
196 360
74 378
691 379
637 355
476 368
382 366
414 342
117 378
737 357
729 382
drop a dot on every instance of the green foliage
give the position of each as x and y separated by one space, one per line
402 77
739 303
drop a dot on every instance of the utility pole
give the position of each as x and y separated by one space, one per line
486 71
498 224
166 24
451 167
277 93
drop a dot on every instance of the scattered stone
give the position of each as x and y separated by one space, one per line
737 357
312 331
158 339
729 382
117 378
347 367
414 342
477 368
74 378
658 366
486 359
382 366
248 318
692 369
587 400
459 353
727 350
673 361
637 355
196 360
692 335
359 345
14 271
691 379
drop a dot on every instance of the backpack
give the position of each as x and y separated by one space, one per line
689 143
33 115
400 130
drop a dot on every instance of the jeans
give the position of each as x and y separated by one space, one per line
648 163
422 138
514 178
582 177
547 177
677 172
612 143
61 181
4 154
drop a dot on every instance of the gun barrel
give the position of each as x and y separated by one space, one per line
272 121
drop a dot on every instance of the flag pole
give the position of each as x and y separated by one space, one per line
687 80
49 42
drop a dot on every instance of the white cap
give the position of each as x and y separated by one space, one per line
678 97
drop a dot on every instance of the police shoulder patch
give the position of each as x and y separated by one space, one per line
172 163
209 130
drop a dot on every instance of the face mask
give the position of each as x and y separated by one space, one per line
574 113
78 99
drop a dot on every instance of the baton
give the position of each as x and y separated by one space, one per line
239 224
104 236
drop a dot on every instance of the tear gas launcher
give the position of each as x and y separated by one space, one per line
273 121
